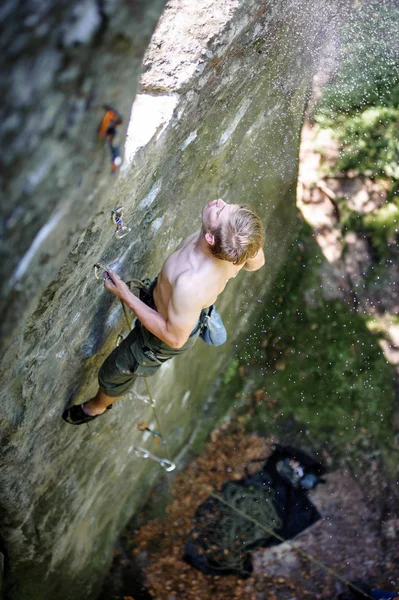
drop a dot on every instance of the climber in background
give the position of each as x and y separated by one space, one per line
107 132
178 306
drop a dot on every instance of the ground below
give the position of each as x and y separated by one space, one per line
356 537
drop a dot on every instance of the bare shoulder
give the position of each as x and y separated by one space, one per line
187 240
188 289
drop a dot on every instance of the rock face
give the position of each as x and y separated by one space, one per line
224 119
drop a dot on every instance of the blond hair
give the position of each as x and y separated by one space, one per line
239 238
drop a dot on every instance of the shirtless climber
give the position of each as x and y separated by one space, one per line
170 314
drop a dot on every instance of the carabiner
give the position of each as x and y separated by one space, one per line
119 340
142 426
97 268
141 452
166 464
144 399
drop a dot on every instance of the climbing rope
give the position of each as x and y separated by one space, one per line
234 507
225 538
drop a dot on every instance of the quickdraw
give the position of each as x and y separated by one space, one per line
142 398
99 269
107 132
157 436
166 464
121 229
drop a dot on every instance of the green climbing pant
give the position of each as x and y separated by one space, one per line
140 354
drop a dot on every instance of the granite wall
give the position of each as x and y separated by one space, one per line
219 114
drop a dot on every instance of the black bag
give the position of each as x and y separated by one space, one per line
222 538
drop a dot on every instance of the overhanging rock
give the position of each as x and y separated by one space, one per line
229 126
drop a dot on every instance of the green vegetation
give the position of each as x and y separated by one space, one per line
368 70
361 109
383 225
380 225
369 141
320 367
231 371
330 372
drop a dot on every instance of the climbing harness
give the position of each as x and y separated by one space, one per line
107 132
142 426
166 464
121 229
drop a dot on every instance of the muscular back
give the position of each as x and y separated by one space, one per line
190 281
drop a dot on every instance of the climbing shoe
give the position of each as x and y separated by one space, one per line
75 415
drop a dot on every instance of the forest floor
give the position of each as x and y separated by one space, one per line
353 537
